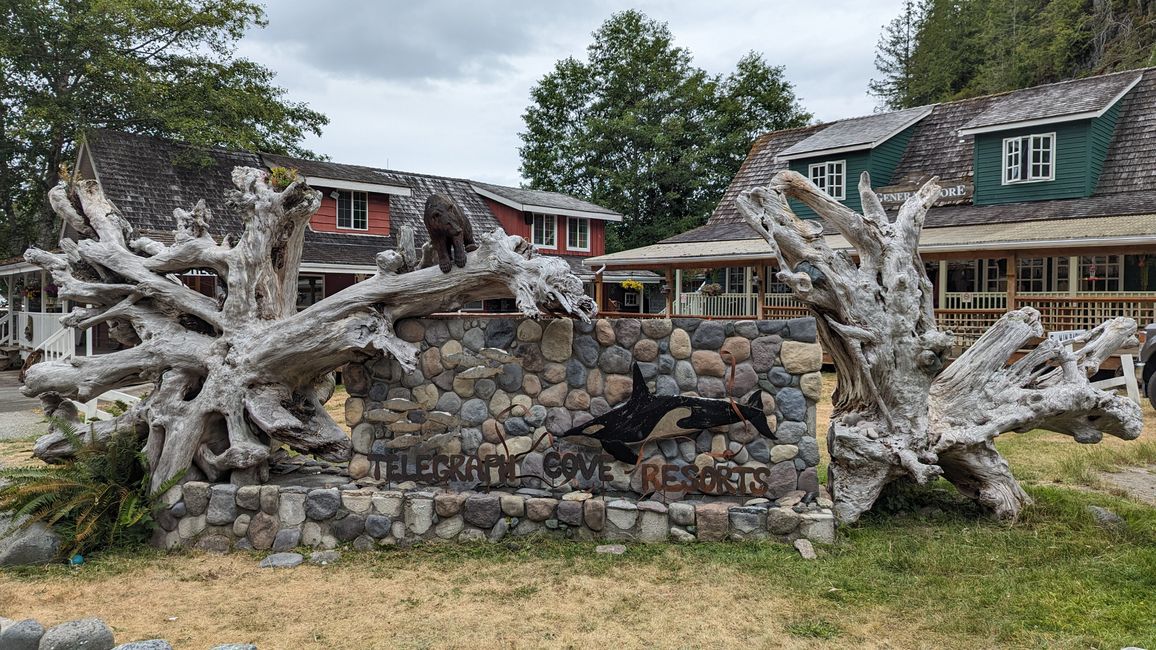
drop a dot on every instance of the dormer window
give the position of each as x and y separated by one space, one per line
352 210
577 234
1029 158
829 177
544 231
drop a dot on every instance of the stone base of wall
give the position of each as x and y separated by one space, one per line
221 518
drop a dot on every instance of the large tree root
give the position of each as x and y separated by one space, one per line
897 412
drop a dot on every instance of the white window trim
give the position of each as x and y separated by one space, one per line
1030 136
337 211
533 235
630 299
570 245
825 165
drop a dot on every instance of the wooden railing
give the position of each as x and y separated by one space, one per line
1086 312
44 326
974 300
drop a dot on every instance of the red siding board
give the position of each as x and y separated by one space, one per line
514 223
325 219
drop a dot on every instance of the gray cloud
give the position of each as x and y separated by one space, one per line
439 87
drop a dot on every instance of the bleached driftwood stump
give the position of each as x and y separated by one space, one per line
897 412
234 374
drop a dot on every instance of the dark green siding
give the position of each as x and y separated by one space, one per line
1100 136
1071 166
880 162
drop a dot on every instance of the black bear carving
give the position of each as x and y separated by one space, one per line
450 234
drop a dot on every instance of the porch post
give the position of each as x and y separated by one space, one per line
1012 274
942 282
1073 275
760 308
669 291
677 288
599 290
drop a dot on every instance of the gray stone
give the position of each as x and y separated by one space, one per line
653 526
802 329
292 509
474 339
709 335
286 539
449 528
485 388
791 432
510 380
150 644
348 527
86 634
586 351
780 377
747 328
808 450
805 548
748 522
711 387
324 557
819 527
783 478
669 448
599 406
627 331
270 499
681 514
792 404
196 496
570 512
684 376
688 324
471 439
449 402
537 415
322 504
222 509
745 379
179 509
611 549
500 333
771 326
759 450
782 521
475 411
575 373
558 420
282 561
436 332
22 635
809 480
36 544
666 385
418 514
262 531
622 514
648 370
615 360
499 530
249 497
482 510
235 646
657 328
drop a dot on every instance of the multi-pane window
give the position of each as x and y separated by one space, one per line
736 280
310 289
1031 274
994 275
829 176
577 234
1100 272
545 231
352 210
1029 158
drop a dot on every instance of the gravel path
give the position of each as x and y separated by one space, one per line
17 419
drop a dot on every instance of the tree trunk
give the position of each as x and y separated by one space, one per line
897 412
236 376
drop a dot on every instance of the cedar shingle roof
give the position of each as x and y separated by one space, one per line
1127 184
554 200
866 131
1055 100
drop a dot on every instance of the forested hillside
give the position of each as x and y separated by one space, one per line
939 50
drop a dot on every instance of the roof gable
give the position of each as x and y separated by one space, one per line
1059 102
526 200
855 134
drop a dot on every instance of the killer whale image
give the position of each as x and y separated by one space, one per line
647 417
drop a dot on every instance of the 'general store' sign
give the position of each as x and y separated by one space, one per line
951 192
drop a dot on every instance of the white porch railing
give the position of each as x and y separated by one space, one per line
44 326
727 304
61 346
975 300
6 328
92 410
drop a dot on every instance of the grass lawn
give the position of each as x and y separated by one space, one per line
926 570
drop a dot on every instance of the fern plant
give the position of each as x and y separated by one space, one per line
97 500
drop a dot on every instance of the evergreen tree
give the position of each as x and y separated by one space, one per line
893 56
641 130
157 67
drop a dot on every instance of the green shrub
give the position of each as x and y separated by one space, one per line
97 500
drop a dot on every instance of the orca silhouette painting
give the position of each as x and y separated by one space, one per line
647 417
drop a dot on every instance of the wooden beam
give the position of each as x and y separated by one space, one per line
669 290
762 293
1012 274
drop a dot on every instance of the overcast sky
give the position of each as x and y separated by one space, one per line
439 86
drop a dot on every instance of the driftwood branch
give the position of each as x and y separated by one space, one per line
897 412
233 376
